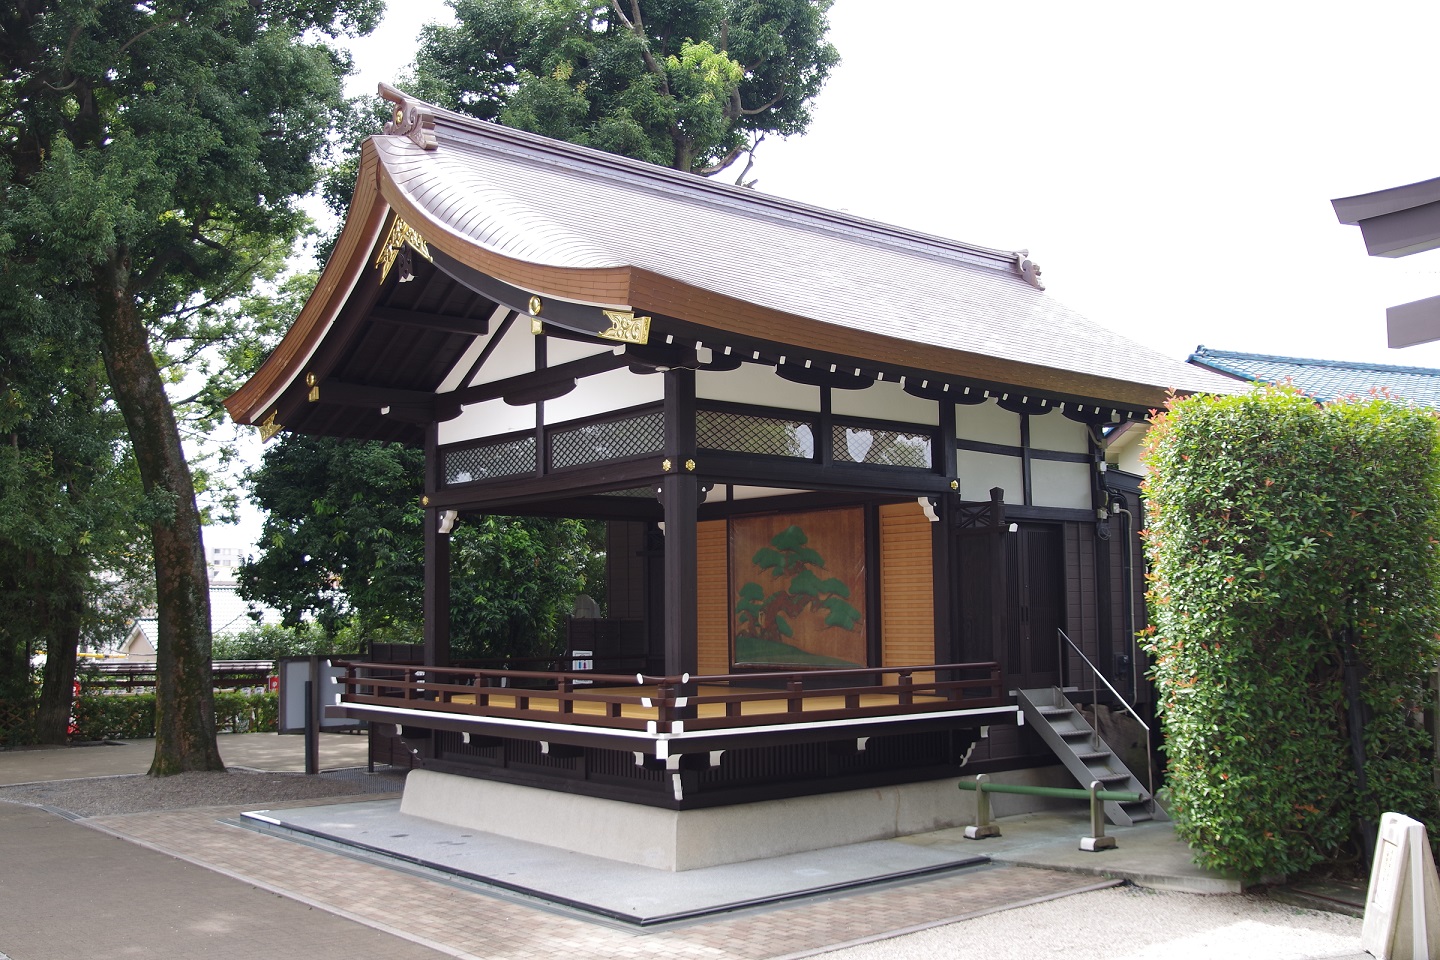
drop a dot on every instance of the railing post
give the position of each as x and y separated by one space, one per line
796 702
907 692
563 688
983 827
1097 839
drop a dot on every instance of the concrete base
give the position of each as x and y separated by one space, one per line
677 840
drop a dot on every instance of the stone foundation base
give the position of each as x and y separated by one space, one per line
688 839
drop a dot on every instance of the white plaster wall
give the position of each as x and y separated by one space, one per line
1057 484
885 401
757 384
988 423
515 354
978 472
488 419
612 390
1054 431
558 350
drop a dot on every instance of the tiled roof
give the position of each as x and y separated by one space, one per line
1326 379
545 202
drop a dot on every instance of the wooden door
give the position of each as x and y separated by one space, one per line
1035 602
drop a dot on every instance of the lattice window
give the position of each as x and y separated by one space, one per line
746 433
508 458
891 448
611 440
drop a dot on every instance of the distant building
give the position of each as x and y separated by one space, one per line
229 614
1326 379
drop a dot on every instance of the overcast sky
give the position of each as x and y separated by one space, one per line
1170 167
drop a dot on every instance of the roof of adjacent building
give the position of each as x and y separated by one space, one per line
570 223
1326 379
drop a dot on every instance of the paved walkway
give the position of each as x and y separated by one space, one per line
187 884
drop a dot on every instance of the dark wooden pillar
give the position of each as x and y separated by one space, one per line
437 591
437 563
999 592
680 499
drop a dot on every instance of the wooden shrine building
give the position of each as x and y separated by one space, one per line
853 475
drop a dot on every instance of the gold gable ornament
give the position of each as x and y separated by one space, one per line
268 427
401 235
626 327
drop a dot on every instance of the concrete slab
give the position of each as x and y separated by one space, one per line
602 887
1147 854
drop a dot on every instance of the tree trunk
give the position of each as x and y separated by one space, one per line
62 646
184 699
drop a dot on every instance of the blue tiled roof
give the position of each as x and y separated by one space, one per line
1326 379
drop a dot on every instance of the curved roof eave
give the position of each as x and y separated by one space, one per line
358 236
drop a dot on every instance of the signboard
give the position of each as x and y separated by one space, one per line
1402 908
294 671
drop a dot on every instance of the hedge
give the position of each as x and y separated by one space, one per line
131 716
1283 537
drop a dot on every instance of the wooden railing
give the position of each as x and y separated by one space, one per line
633 702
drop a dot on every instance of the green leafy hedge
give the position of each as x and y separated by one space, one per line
1278 528
131 716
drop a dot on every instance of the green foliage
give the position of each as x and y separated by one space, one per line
273 641
131 716
1277 530
151 156
767 618
689 84
343 541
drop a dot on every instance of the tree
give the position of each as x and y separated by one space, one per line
1295 600
342 542
151 155
688 84
70 513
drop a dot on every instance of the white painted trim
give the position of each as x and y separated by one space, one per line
663 740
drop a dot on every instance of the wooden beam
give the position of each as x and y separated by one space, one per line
539 380
465 326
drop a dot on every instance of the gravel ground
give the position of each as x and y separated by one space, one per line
106 796
1131 923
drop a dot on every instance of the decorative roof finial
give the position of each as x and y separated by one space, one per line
409 119
1029 269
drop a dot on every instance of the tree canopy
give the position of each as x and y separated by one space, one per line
343 542
151 158
688 84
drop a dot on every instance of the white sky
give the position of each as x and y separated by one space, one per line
1170 167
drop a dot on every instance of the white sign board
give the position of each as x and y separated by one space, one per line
1402 908
294 671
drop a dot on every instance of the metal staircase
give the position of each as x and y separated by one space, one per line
1063 728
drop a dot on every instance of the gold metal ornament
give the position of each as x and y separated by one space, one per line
401 233
425 500
626 327
536 306
314 386
537 327
268 426
690 465
665 465
954 484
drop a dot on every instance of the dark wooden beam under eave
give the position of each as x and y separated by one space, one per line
466 326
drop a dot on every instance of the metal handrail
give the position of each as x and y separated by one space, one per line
1095 674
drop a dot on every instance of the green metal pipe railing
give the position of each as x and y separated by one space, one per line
1097 840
